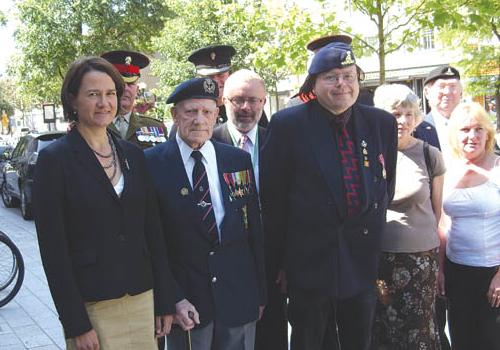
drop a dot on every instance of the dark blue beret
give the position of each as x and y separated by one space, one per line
334 55
442 72
204 88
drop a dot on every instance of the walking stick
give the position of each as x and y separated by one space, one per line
188 335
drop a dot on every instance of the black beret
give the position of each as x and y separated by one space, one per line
442 72
334 55
204 88
212 60
318 43
128 63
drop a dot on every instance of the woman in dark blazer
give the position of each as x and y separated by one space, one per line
98 224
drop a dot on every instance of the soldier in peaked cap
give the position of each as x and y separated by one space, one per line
143 131
210 204
215 62
327 176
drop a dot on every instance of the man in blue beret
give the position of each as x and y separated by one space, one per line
210 210
327 177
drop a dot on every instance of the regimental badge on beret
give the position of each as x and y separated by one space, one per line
212 56
348 60
209 86
449 72
128 60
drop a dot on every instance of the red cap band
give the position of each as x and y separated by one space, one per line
127 68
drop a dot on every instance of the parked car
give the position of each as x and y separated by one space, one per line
5 151
18 171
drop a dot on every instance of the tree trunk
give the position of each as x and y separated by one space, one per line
497 103
381 43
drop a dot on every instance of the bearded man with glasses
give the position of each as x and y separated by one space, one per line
327 176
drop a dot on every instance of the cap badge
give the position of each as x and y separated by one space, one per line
212 56
209 86
128 60
449 71
348 60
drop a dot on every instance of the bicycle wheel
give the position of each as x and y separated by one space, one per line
11 270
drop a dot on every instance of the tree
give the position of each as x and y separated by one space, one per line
3 19
268 39
53 33
474 27
396 22
196 24
291 29
5 101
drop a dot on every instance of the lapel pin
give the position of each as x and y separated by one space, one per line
184 191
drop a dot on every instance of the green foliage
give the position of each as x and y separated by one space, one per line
53 33
473 27
3 19
6 103
268 39
396 21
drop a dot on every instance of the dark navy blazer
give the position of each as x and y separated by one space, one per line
304 209
95 245
226 282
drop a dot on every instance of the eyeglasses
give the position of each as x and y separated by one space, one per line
240 101
335 78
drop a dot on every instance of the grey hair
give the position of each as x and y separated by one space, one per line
390 96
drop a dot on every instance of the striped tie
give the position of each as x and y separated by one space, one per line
201 192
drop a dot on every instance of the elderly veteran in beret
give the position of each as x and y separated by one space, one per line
327 177
209 203
142 131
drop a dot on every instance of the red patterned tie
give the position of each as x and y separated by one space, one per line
350 171
201 192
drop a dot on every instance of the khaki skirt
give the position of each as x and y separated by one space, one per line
126 323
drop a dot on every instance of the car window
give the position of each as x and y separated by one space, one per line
45 140
20 147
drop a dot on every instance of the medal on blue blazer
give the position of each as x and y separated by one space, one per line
364 150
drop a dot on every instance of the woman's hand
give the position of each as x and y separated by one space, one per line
494 290
87 341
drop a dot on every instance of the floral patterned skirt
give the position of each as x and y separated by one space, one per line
405 314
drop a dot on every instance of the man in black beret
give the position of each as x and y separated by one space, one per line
443 91
210 205
327 177
143 131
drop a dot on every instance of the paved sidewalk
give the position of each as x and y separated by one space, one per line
29 321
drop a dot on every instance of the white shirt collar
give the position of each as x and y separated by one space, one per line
236 134
207 150
126 117
440 119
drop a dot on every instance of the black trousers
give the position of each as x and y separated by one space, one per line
272 328
473 323
441 306
321 322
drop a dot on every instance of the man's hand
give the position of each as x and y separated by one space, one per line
87 341
493 293
186 315
163 324
282 282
